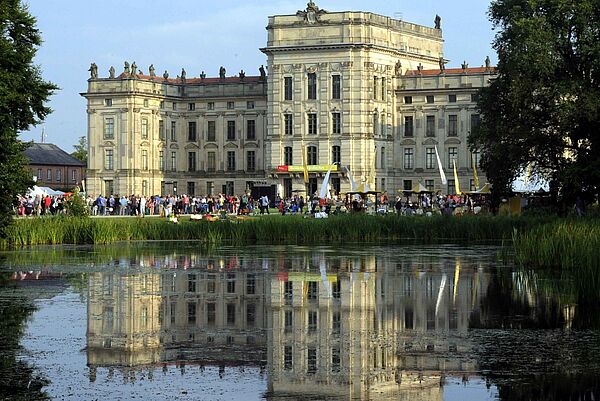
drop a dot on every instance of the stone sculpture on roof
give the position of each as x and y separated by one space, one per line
442 64
438 22
126 68
166 75
263 73
312 13
93 71
133 69
398 68
111 72
222 72
488 63
183 75
151 70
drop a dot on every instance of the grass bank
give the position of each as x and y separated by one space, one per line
269 230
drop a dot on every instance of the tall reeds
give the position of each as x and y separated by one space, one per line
268 230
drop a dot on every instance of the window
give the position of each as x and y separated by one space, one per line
162 104
312 86
336 289
192 131
109 128
408 319
472 186
452 125
375 86
408 126
382 161
312 123
289 124
191 161
174 106
173 161
430 158
336 154
191 106
475 158
429 184
161 130
231 130
230 105
174 131
311 360
211 131
288 290
211 313
335 359
451 188
287 88
211 162
383 88
231 161
336 323
144 128
230 314
58 175
146 103
312 322
161 160
287 357
336 184
475 121
375 123
430 127
311 155
192 281
109 187
108 102
287 187
144 159
250 160
336 87
312 185
313 290
336 122
210 106
108 161
251 130
210 188
409 158
251 284
250 104
250 315
407 99
475 97
407 185
430 99
231 283
191 188
287 156
452 157
383 130
73 175
288 319
451 98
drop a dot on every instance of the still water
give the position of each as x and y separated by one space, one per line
176 322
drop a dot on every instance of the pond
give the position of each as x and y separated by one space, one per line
176 321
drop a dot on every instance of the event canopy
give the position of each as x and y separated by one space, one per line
44 191
418 188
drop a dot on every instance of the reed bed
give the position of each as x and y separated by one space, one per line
269 230
569 244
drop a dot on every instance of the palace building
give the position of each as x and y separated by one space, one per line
366 93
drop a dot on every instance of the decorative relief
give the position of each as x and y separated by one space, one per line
288 68
336 66
312 14
311 69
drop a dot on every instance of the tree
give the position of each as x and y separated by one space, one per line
542 112
81 152
23 94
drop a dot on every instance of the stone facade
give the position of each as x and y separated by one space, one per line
337 91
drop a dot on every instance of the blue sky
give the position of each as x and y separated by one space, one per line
201 35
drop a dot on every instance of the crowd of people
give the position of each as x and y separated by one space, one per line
39 205
246 204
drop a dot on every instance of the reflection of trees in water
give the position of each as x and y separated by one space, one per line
538 337
19 381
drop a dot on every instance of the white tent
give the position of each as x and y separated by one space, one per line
35 191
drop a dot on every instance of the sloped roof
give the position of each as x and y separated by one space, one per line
50 154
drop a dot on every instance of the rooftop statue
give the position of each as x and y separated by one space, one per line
111 72
312 13
488 63
438 22
93 71
398 68
263 73
222 72
182 75
242 74
126 68
133 69
151 70
202 75
166 75
442 64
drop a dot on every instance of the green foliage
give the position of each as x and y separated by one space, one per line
543 109
81 152
75 204
22 97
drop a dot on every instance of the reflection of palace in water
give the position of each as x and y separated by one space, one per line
364 327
